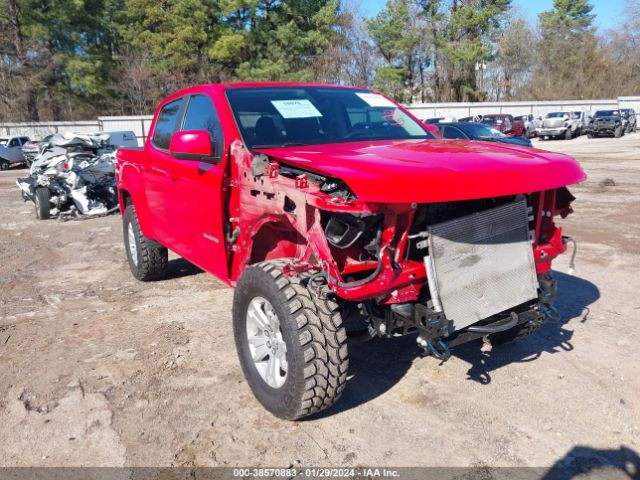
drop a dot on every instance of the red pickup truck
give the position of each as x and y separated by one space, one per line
332 209
505 123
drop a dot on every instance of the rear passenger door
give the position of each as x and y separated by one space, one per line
198 193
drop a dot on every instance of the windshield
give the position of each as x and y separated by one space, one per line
607 113
289 116
556 114
479 131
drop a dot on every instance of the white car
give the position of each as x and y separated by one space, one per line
11 151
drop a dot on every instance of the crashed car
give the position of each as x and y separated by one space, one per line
332 209
72 176
606 122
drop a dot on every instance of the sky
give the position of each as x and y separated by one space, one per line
608 12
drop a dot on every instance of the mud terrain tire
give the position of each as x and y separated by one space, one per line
43 204
311 327
147 259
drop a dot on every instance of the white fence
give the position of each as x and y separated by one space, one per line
537 109
140 124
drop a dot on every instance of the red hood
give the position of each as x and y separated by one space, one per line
422 171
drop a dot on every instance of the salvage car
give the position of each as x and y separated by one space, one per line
565 125
630 119
11 151
504 123
74 175
606 122
479 131
531 124
331 208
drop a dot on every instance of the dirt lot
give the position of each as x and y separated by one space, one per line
97 368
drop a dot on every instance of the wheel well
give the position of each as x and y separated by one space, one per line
126 198
276 240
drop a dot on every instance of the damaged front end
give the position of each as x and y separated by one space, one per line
451 271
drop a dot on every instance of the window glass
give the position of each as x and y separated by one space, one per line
452 133
24 140
201 115
14 142
166 124
287 116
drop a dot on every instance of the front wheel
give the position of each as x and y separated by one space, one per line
4 165
42 200
568 135
291 342
617 133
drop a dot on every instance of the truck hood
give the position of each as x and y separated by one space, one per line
422 171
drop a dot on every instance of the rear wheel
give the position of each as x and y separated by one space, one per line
42 200
147 259
291 343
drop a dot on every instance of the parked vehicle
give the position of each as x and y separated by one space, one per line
479 131
332 208
74 175
436 120
504 123
606 122
565 125
531 124
630 119
32 148
11 151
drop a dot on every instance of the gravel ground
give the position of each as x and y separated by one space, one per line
100 369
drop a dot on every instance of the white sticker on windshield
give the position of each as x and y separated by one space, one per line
296 108
376 100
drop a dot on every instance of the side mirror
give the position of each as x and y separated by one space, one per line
193 145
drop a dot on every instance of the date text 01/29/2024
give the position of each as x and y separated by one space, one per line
315 472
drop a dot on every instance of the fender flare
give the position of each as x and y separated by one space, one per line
130 181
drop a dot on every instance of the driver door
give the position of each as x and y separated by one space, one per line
198 197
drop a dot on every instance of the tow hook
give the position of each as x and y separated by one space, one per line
435 347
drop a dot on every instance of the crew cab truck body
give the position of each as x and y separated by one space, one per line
332 208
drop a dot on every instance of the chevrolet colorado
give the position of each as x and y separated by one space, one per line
332 209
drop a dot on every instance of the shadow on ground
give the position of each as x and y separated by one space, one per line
376 366
179 267
589 461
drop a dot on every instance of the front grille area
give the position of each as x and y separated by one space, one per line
482 263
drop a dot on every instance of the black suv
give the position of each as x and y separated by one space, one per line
629 119
606 122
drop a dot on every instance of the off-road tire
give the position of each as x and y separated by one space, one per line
42 200
316 340
4 165
617 133
517 333
152 258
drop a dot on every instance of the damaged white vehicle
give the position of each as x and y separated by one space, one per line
74 176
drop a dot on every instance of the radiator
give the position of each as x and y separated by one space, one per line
481 264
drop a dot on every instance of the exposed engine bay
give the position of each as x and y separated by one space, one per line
451 271
73 176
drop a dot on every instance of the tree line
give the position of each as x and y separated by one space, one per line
72 60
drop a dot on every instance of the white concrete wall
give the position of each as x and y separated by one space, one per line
141 124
